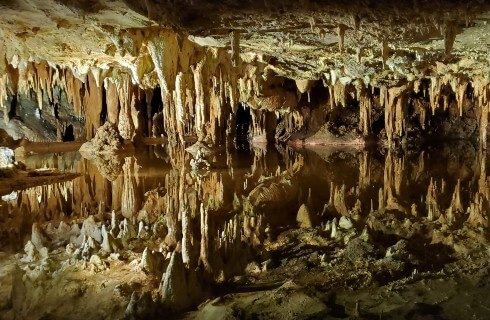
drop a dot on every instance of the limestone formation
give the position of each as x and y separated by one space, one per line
119 85
303 218
107 140
179 288
244 159
91 230
7 160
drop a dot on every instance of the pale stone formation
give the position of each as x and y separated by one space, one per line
107 140
179 288
7 159
303 217
130 194
91 229
202 82
132 73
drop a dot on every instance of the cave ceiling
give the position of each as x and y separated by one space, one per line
373 40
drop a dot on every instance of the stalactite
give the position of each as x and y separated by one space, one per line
92 102
112 101
482 94
395 104
450 32
341 34
235 47
201 88
385 52
4 94
365 109
125 122
459 87
338 95
180 103
200 99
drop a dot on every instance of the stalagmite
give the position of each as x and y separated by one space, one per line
91 230
206 126
142 231
433 211
152 262
456 206
303 217
109 243
127 230
37 237
204 250
333 233
179 289
345 223
339 200
114 229
381 200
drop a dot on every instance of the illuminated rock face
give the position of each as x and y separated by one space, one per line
340 74
148 231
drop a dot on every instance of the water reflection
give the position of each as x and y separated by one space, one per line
190 230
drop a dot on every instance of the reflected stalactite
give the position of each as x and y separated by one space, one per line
130 198
364 170
392 183
480 203
216 221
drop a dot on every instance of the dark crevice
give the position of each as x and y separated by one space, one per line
69 134
242 127
156 101
13 107
103 112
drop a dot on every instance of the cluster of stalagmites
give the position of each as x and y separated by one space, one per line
95 244
201 89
